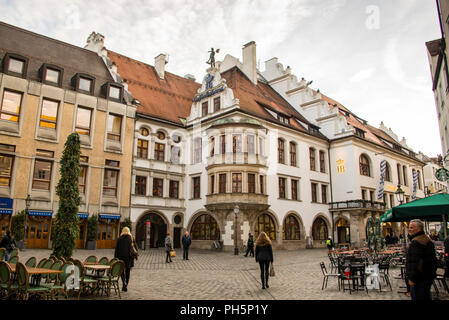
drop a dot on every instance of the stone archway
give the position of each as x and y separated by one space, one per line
156 229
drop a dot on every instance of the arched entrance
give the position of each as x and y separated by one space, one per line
343 231
265 223
154 225
319 229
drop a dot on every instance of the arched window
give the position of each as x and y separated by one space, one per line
319 230
291 228
205 227
266 224
144 132
364 166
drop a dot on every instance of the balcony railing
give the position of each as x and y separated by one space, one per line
357 204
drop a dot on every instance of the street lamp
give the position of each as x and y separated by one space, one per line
400 197
27 209
236 211
400 194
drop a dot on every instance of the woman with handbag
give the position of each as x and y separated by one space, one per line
126 251
168 247
264 255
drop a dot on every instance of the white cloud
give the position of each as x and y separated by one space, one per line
379 74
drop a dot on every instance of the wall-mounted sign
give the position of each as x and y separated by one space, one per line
6 203
341 166
442 174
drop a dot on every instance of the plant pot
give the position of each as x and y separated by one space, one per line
91 245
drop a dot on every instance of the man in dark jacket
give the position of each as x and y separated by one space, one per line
250 246
421 262
186 242
8 243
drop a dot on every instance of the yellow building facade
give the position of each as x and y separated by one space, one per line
44 98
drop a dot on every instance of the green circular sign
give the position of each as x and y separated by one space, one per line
442 174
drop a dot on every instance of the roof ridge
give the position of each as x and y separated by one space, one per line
47 38
151 66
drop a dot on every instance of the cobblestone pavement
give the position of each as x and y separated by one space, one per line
222 276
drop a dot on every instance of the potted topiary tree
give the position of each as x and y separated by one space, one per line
91 236
66 224
126 223
18 228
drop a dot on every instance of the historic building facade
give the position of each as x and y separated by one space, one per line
358 153
48 90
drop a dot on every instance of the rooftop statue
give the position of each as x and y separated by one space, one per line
211 60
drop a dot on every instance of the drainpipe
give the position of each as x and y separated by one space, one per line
330 184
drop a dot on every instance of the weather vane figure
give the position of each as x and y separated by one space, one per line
211 60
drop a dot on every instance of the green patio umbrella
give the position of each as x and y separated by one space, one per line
433 208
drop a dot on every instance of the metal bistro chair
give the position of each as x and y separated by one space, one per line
333 262
2 254
326 276
24 288
113 277
31 262
384 274
13 260
7 287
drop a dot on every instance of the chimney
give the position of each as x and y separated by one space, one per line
95 43
159 65
249 61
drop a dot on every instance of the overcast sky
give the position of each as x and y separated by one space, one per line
368 55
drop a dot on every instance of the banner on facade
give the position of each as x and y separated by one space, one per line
415 184
380 191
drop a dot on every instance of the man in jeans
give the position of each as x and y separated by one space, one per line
421 262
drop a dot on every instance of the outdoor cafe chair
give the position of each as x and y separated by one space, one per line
26 290
41 263
92 259
104 261
13 260
2 254
326 276
113 276
333 262
87 284
59 284
31 262
7 287
14 253
384 274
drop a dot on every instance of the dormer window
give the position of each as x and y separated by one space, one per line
360 133
15 65
51 74
283 119
113 91
83 83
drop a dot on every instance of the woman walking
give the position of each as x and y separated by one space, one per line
168 247
123 251
264 255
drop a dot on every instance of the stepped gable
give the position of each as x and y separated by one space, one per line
355 121
168 99
253 99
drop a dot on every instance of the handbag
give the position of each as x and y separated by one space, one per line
172 253
133 252
272 273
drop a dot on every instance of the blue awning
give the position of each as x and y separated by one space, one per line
83 215
109 216
40 213
5 211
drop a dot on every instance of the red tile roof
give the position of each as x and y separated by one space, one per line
169 99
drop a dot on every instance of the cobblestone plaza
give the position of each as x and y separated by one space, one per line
209 275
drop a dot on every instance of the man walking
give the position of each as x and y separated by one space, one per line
421 262
186 242
250 246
